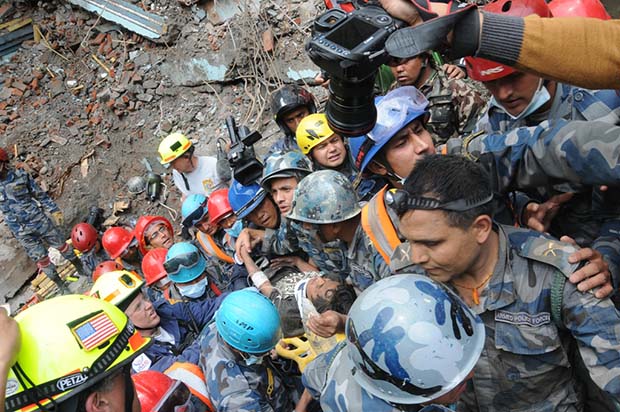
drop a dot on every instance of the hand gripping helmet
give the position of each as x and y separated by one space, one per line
394 111
119 288
248 321
285 164
579 8
287 99
143 223
411 340
173 146
158 392
153 265
116 240
244 199
84 237
184 262
312 130
194 209
105 267
324 197
68 344
219 206
486 70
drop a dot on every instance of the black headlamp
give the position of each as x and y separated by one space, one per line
401 201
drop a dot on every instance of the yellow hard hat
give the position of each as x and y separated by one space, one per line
312 130
119 288
173 146
68 343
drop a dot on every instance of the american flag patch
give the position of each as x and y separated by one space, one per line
94 331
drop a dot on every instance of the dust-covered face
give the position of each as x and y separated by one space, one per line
330 153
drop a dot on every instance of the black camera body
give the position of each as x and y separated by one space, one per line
241 157
350 47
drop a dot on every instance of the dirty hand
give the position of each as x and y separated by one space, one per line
594 274
327 323
248 239
58 218
538 216
453 71
9 340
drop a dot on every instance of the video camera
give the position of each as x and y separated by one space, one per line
243 162
350 48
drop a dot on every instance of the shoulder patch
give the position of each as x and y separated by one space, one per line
549 251
141 363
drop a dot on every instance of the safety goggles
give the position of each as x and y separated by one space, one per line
177 399
179 262
196 216
400 201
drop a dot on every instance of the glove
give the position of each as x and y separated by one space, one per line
433 34
58 218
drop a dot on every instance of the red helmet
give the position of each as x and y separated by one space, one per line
84 237
218 206
116 240
105 267
4 156
579 8
160 393
143 223
153 265
486 70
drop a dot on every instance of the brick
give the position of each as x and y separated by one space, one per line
110 103
37 74
16 92
3 105
19 85
13 116
98 39
34 84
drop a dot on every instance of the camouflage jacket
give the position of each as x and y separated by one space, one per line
525 364
366 265
329 378
235 387
23 203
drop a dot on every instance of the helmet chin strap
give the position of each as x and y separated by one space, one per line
129 389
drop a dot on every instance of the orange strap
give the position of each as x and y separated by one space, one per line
379 227
209 246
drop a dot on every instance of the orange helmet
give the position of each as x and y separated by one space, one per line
105 267
143 223
218 206
486 70
153 265
116 240
84 237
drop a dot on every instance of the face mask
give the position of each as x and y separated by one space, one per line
254 360
541 97
194 291
235 229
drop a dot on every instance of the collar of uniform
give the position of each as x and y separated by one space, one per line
499 292
428 84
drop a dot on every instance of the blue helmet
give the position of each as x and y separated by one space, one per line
394 111
194 209
184 262
244 199
248 321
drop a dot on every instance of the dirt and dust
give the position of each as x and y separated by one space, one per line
81 108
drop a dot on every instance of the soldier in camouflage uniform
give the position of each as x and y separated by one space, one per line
515 280
454 104
24 206
396 358
239 373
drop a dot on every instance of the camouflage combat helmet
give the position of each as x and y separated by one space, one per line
285 164
324 197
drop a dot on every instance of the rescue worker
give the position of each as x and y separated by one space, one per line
158 392
192 173
122 246
93 344
235 356
396 358
222 213
173 328
153 232
85 239
25 207
454 104
214 241
282 172
155 275
506 275
289 105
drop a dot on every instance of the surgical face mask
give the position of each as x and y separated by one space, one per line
253 360
539 99
235 229
193 291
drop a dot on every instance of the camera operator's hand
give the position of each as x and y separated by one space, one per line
453 71
457 32
403 10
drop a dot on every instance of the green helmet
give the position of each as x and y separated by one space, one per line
324 197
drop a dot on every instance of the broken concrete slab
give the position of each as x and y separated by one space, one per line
220 11
197 71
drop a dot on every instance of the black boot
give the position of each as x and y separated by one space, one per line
77 263
50 272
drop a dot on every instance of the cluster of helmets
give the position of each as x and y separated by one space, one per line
486 70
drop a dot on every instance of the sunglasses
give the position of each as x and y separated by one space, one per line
184 261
